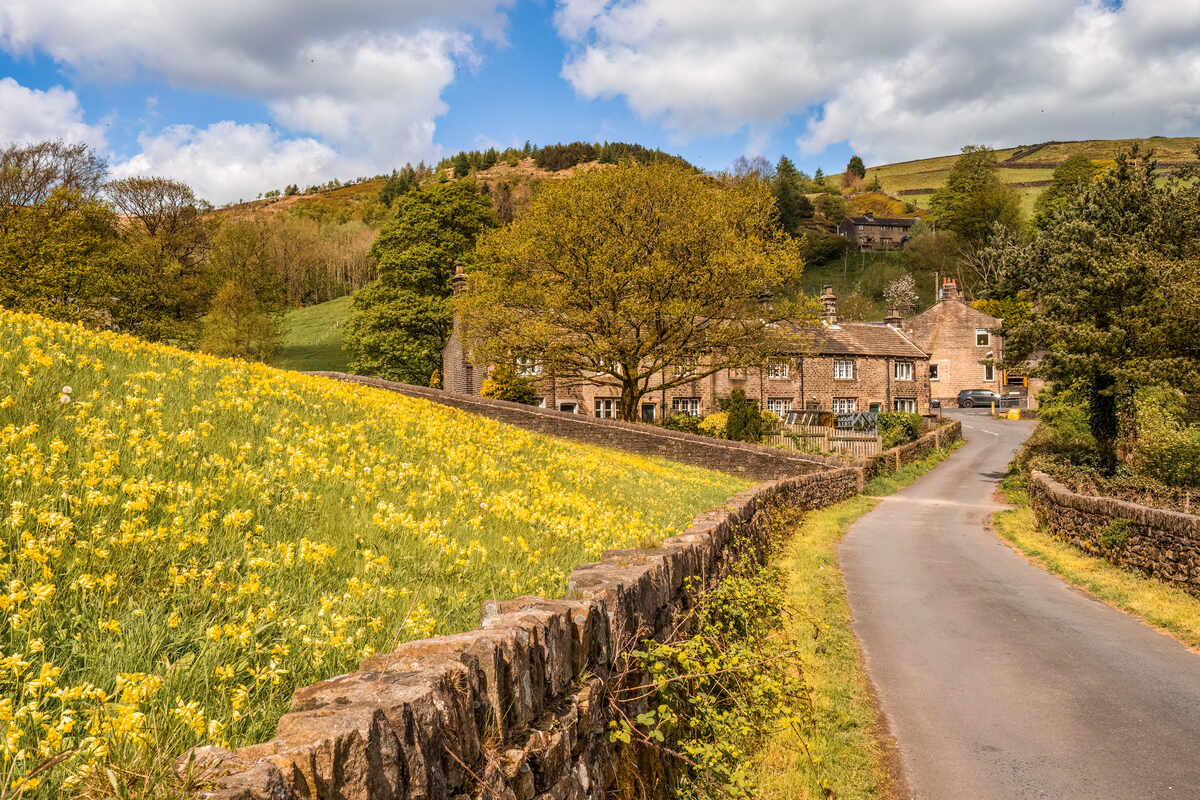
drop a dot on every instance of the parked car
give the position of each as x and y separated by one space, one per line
969 398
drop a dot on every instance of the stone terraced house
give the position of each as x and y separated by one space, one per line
869 232
847 367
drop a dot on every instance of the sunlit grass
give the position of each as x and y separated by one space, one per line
313 338
1164 606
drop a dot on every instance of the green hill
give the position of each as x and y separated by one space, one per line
1028 168
186 540
312 339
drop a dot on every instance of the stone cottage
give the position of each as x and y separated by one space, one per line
965 347
869 232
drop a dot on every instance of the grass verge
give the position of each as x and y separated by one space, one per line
844 756
1170 609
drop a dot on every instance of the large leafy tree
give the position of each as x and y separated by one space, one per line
1115 281
400 322
635 275
974 199
856 168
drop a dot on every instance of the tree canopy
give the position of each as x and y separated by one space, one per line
1070 178
789 199
974 199
1116 284
856 168
400 322
634 274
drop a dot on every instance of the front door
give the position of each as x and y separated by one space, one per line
648 412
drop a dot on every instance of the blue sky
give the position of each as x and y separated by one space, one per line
240 99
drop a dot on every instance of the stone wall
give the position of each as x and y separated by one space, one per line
738 458
516 709
889 460
1162 543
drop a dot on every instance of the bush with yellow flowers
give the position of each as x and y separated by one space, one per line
184 540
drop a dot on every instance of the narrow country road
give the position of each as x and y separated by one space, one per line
997 679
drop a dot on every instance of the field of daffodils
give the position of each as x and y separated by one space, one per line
184 540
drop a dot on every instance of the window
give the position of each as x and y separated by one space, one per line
777 370
904 370
540 402
528 367
989 373
907 404
845 405
606 407
567 407
983 337
843 370
779 406
686 405
933 372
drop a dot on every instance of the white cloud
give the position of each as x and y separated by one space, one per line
364 76
904 80
229 161
31 115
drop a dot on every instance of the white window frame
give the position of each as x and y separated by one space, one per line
779 406
574 406
987 337
904 370
905 404
686 405
528 367
934 369
608 407
845 405
841 366
989 373
778 370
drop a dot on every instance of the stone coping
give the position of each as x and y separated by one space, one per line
1147 516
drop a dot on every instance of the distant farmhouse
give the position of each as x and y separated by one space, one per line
869 232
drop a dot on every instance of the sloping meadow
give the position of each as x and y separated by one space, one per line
185 540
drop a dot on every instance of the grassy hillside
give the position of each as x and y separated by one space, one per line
187 539
1027 168
313 338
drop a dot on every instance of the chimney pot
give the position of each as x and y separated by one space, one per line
458 284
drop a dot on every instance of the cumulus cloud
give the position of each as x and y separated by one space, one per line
229 161
31 115
364 77
907 80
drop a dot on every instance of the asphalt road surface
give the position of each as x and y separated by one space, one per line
997 679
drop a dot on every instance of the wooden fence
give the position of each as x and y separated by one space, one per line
823 439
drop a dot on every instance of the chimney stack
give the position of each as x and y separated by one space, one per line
949 289
893 318
458 284
829 303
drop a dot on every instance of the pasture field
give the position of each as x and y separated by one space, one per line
186 539
312 338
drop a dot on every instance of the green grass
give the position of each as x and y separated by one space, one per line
185 540
871 272
1161 605
931 173
313 338
845 753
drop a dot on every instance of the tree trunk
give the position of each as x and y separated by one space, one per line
1102 419
629 401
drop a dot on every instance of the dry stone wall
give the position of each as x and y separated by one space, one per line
882 463
516 709
1162 543
738 458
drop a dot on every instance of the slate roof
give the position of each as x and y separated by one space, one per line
861 339
903 222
